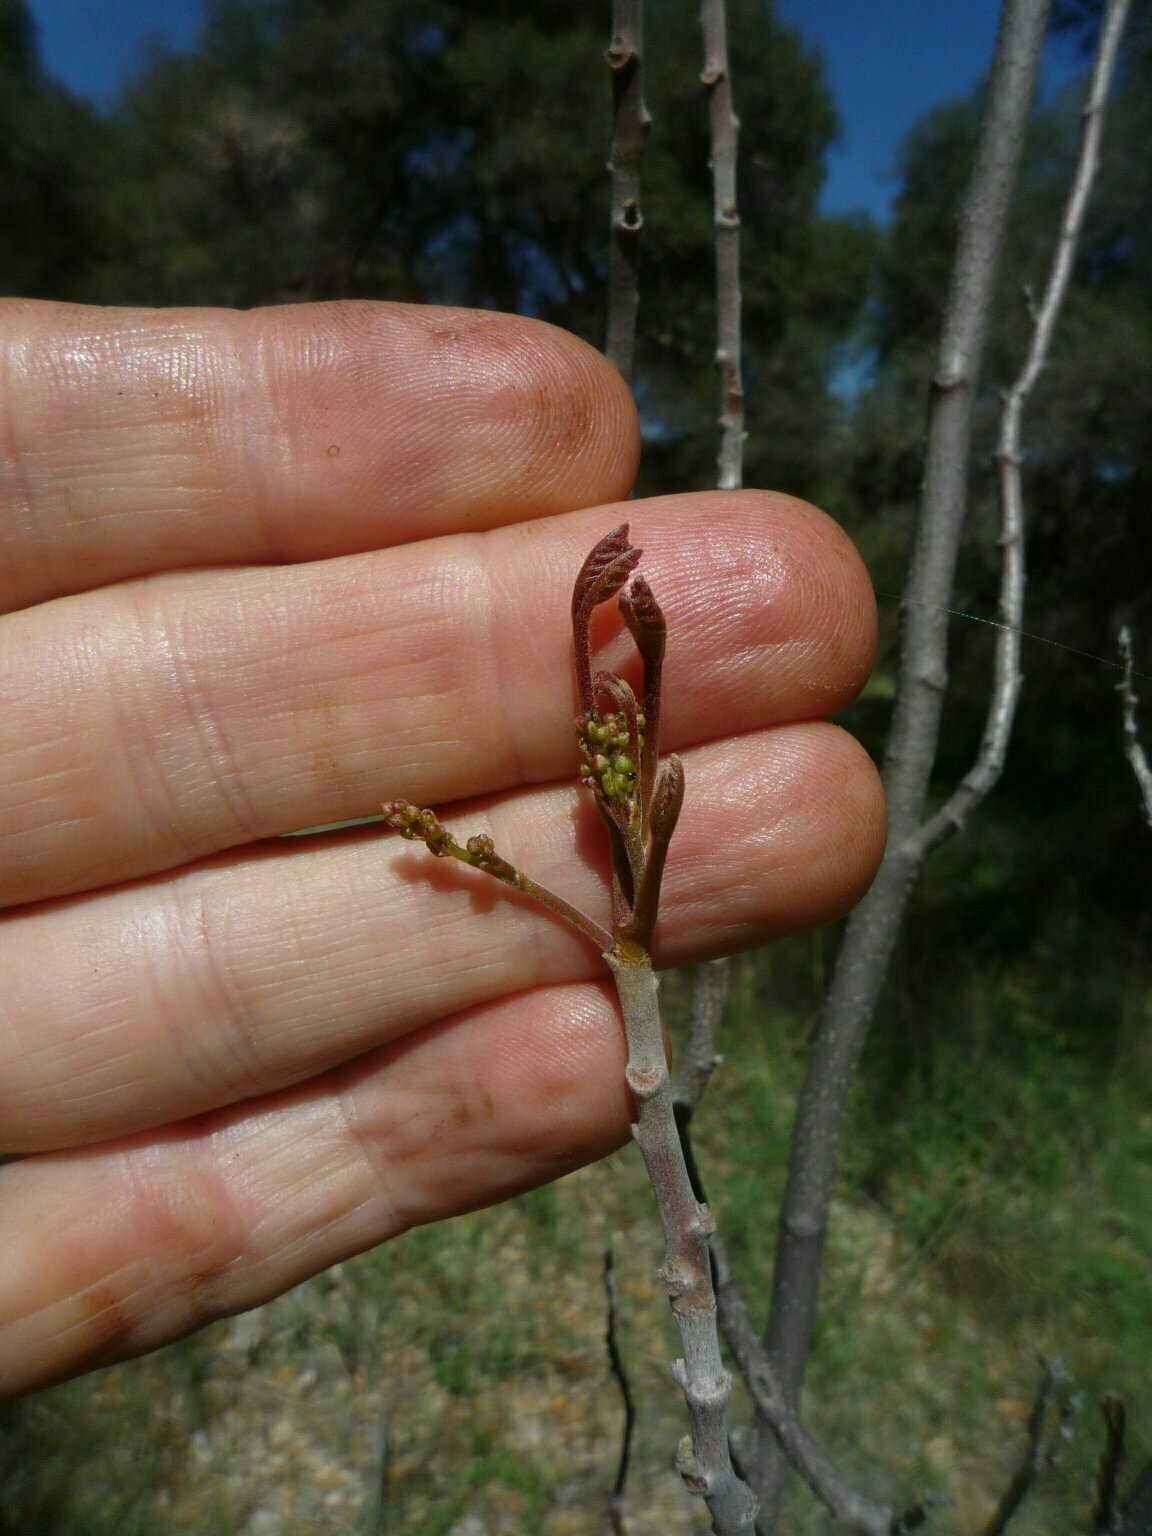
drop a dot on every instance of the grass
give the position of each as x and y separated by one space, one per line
996 1205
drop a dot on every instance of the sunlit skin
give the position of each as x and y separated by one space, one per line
264 571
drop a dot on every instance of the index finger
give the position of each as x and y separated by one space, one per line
142 440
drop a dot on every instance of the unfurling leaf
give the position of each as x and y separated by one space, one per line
608 566
667 798
645 620
644 617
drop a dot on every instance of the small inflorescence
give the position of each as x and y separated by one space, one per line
426 827
605 764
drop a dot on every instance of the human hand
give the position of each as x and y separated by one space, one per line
261 572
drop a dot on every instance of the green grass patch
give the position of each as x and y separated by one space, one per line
995 1205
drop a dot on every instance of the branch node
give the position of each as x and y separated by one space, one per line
676 1282
696 1479
644 1082
705 1223
619 55
630 220
630 122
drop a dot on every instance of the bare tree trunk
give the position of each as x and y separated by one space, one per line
1006 680
872 931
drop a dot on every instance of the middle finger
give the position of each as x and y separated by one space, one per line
149 724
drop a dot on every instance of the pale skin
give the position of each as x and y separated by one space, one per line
264 571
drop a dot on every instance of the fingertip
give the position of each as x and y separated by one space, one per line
846 857
777 601
417 421
145 440
852 631
822 596
782 831
537 1086
586 428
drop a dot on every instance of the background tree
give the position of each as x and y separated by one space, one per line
48 229
439 153
1090 563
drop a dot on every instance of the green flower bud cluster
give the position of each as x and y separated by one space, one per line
605 763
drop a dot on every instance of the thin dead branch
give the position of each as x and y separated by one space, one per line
725 127
1138 1505
1107 1519
852 1509
629 129
620 1376
701 1056
1045 1445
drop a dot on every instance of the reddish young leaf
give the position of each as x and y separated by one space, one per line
608 566
645 620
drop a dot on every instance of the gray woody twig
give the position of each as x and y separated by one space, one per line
620 1376
1107 1518
703 1459
629 127
872 931
726 220
1133 749
855 1512
701 1056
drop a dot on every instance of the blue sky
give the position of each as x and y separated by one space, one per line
888 61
